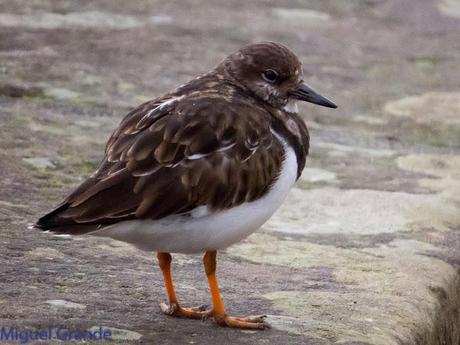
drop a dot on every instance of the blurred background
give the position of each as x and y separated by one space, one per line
366 249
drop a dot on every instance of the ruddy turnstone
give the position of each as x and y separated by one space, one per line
199 168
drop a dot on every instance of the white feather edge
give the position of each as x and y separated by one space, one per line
291 107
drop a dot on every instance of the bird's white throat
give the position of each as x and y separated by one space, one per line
291 106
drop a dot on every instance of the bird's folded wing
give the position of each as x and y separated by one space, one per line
171 157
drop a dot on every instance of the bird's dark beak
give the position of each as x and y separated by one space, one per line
304 93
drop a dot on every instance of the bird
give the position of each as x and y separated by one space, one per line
199 168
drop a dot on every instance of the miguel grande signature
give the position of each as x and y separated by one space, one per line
24 336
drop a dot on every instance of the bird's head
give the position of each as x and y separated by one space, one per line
274 74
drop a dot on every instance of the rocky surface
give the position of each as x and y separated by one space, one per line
366 250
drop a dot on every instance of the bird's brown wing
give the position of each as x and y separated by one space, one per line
170 157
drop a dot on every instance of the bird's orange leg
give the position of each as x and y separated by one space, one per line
173 309
218 311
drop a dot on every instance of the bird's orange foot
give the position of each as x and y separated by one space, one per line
198 313
250 322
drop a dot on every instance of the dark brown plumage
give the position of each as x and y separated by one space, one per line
218 143
148 158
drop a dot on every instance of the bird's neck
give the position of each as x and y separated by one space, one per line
285 122
294 130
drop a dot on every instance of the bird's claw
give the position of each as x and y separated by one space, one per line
173 309
250 322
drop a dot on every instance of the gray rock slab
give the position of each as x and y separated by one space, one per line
366 249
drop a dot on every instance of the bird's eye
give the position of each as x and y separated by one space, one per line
270 75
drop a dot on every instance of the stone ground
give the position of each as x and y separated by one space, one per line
366 250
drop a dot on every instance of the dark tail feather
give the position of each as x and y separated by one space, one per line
60 225
66 225
51 220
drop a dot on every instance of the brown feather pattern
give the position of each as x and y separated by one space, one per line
211 143
166 160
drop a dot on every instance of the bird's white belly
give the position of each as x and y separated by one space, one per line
207 231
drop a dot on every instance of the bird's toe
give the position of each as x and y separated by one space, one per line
250 322
198 313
